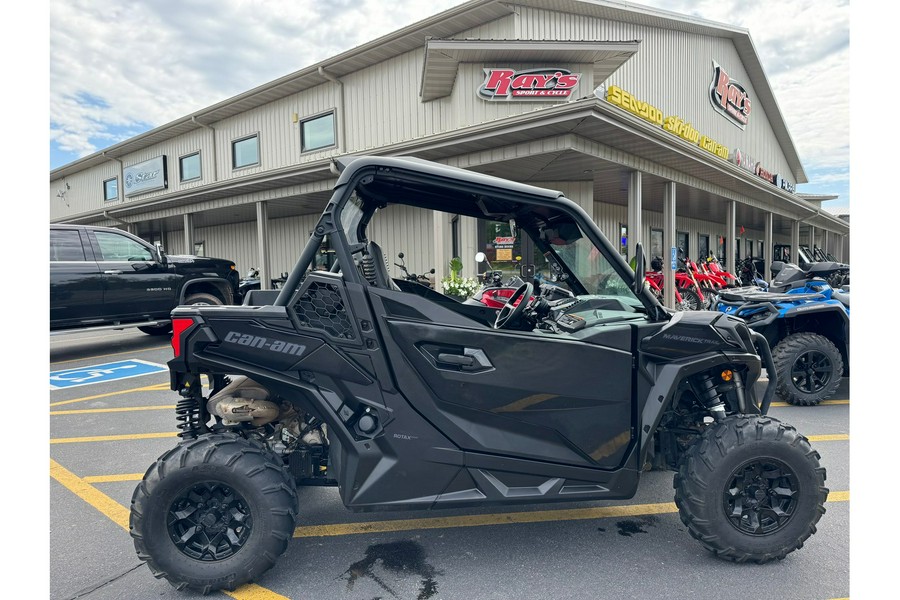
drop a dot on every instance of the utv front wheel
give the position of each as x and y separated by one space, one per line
750 489
213 513
809 368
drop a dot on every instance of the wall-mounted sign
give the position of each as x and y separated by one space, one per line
729 98
673 124
748 163
532 84
148 176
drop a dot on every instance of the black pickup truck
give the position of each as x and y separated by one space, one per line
102 277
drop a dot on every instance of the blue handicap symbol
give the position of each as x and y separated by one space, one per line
103 373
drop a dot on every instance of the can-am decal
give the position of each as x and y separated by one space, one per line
729 98
256 341
533 84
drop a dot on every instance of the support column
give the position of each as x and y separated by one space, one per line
634 213
669 243
795 242
730 219
812 238
768 246
189 233
262 244
439 241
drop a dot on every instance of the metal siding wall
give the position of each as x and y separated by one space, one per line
672 71
405 229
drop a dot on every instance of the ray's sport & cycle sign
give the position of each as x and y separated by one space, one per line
531 84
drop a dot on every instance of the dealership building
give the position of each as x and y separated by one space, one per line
663 127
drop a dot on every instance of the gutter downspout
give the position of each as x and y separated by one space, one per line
341 129
215 158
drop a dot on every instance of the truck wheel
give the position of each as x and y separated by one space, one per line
213 513
750 489
202 300
809 368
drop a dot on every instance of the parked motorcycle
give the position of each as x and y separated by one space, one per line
421 279
493 292
748 271
688 294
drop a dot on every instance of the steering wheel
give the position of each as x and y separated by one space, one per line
510 311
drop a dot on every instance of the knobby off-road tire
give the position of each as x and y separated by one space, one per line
809 368
213 513
750 489
690 299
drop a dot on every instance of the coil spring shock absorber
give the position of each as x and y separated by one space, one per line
710 388
188 411
368 265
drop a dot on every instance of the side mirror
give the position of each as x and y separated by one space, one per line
639 272
159 255
480 257
400 255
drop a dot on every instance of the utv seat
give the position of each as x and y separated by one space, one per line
375 268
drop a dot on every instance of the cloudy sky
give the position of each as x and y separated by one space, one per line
120 68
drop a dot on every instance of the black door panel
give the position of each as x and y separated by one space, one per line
525 395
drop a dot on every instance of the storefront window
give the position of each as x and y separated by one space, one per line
683 245
703 246
189 167
245 152
317 133
656 244
111 189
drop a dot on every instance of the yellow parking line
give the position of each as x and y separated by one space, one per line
822 403
542 516
116 513
147 388
119 515
114 438
113 478
87 411
251 591
837 437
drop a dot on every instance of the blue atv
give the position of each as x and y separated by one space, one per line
807 325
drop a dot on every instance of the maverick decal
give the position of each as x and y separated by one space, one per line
729 98
533 84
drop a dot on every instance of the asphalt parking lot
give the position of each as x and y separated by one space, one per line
104 433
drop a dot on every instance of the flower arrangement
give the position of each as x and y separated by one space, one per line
456 284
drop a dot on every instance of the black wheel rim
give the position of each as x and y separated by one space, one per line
812 371
760 497
209 521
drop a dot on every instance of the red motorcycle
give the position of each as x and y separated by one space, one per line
688 295
493 293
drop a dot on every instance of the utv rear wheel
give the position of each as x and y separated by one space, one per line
213 513
809 368
750 489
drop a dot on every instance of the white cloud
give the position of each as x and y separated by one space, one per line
147 63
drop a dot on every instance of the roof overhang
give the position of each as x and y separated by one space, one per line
442 58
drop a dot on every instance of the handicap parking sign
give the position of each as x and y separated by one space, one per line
104 373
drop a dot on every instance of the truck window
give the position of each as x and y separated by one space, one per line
65 245
119 247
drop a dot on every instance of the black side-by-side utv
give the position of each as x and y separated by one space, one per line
405 398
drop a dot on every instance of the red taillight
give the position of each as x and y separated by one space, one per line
178 327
